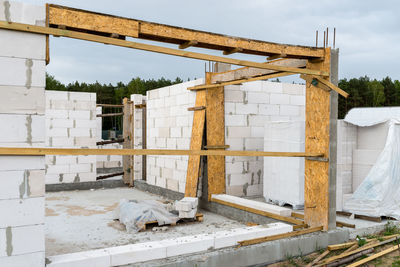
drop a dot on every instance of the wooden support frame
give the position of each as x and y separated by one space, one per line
61 15
150 48
128 136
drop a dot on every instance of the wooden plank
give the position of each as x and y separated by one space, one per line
273 57
309 79
47 37
178 35
215 114
344 224
316 184
263 77
375 256
40 151
365 247
349 244
110 114
317 259
279 236
83 20
217 147
260 212
196 108
232 51
188 44
295 227
196 142
246 72
150 48
126 164
298 215
332 86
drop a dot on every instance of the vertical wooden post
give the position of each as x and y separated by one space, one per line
144 140
193 170
215 119
127 133
317 174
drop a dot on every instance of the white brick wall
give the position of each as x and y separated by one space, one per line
70 122
22 106
169 126
247 108
138 127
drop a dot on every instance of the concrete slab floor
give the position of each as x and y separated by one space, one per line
82 220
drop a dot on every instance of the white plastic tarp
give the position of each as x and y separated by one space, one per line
379 193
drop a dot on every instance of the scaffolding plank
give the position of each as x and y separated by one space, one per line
193 169
215 119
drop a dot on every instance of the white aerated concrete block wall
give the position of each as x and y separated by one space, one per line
22 106
138 134
284 177
346 143
70 123
169 126
247 108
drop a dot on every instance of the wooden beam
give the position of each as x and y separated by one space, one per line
259 212
298 215
178 35
110 114
188 44
196 108
217 147
263 77
332 86
246 72
232 51
36 151
127 131
94 22
317 81
215 114
344 224
279 236
196 143
316 178
273 57
150 48
375 256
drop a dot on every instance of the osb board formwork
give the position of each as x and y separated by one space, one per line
215 119
79 19
316 184
127 132
193 169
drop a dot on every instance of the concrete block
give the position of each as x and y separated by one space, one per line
257 132
80 132
256 86
57 132
84 141
246 108
61 104
81 96
27 239
187 203
365 156
22 13
237 131
79 114
59 123
236 120
255 204
187 214
137 253
26 129
57 95
57 169
27 260
12 163
235 143
258 98
87 159
36 183
22 72
254 143
265 109
21 100
176 132
189 244
234 96
294 89
96 258
272 87
172 184
236 190
289 110
298 100
21 212
56 114
279 99
360 171
373 137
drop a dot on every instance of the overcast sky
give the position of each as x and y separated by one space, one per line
367 34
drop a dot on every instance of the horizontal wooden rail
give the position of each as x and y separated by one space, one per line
110 114
109 105
151 48
34 151
106 142
263 77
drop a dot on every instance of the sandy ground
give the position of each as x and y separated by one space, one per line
82 220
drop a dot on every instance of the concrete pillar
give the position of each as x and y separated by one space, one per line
22 105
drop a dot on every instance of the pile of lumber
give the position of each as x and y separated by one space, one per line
354 250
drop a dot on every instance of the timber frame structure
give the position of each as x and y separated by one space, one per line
317 66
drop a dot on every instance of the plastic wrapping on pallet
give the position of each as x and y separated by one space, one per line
379 193
135 214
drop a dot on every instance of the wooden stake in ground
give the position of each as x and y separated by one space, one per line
317 259
375 256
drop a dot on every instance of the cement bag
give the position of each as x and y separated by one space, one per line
379 193
135 214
